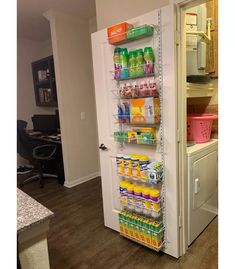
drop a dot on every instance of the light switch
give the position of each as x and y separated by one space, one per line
83 115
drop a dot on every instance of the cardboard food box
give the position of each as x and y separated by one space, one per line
145 110
117 33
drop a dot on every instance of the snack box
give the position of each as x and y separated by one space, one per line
145 110
117 33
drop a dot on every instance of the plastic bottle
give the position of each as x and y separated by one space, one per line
138 199
139 62
132 64
116 61
146 201
135 165
120 163
135 89
130 197
127 165
124 63
144 161
143 90
152 87
155 203
148 60
123 193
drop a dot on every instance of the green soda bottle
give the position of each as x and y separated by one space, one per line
139 62
132 63
124 63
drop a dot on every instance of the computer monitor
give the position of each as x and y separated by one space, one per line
45 123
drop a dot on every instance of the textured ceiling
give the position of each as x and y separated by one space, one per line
31 23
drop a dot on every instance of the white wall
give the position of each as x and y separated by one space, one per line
111 12
75 91
27 52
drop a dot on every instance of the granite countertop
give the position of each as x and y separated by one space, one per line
30 212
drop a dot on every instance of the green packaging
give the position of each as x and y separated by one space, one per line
132 64
140 31
139 62
124 63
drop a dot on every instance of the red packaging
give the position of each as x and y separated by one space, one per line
117 33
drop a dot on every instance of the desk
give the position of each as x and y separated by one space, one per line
44 138
54 138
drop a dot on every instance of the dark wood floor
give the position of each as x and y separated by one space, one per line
78 239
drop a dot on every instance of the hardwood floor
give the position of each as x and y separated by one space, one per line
78 239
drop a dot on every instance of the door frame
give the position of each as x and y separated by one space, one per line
180 10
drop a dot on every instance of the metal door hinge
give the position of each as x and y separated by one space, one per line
178 135
177 38
180 221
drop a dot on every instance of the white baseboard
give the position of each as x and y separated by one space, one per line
81 180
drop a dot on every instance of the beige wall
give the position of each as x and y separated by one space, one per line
72 57
92 25
111 12
27 52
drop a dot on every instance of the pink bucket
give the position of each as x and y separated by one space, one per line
199 127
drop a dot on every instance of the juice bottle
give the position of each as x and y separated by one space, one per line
139 62
148 60
137 228
130 197
121 223
124 63
147 232
146 201
132 64
125 222
155 203
116 61
142 230
138 198
131 227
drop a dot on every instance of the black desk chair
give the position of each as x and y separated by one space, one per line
35 152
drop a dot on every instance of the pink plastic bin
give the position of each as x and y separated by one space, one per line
199 127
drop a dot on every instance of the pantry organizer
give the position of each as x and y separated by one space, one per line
139 120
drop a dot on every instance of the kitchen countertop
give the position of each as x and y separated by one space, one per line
30 212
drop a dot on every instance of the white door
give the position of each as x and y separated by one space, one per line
106 106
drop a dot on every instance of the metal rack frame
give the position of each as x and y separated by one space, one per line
157 74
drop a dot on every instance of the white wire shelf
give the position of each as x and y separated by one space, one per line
143 243
137 119
140 180
134 94
135 77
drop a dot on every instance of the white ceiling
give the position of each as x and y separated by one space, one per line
31 24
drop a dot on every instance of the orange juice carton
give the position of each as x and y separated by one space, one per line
145 110
117 33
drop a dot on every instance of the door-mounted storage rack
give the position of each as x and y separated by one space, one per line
128 219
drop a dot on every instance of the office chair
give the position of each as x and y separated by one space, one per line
37 154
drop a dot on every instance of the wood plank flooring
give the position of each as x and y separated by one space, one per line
78 239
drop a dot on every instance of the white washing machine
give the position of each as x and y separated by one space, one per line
202 186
